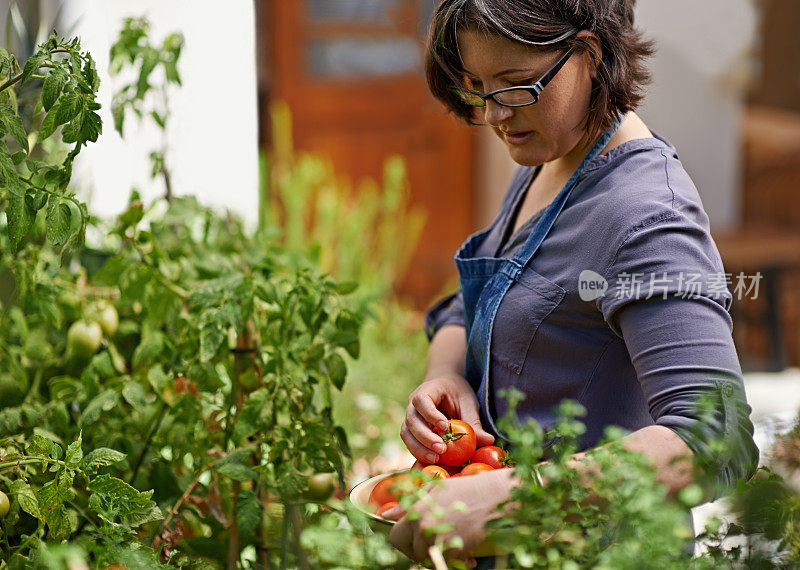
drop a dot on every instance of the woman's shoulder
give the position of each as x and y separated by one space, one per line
638 182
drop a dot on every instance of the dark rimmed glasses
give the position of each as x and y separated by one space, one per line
520 96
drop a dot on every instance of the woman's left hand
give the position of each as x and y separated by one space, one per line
480 493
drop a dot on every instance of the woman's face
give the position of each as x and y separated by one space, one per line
547 130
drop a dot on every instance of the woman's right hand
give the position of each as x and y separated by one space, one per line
429 407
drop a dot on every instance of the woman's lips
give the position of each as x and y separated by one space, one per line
519 138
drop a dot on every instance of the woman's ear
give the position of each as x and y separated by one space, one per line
595 53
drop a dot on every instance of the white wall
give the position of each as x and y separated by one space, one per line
696 98
214 133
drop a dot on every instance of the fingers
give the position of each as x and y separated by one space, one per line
471 415
420 440
426 404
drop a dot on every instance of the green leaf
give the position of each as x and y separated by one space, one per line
347 340
248 512
149 349
26 497
33 63
52 497
8 172
236 471
337 370
101 457
40 446
104 402
135 395
114 498
18 157
74 454
58 221
48 124
14 125
20 220
68 108
52 87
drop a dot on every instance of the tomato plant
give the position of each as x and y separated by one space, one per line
460 441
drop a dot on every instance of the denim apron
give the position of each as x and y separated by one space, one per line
485 280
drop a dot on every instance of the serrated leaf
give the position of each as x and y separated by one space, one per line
40 446
114 498
58 221
26 497
68 108
52 87
33 63
48 124
101 457
8 172
74 454
248 512
52 496
337 370
14 125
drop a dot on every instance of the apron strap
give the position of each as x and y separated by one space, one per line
536 237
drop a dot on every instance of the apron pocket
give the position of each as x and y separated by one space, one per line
523 308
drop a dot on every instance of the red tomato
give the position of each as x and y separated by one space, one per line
382 493
474 468
385 507
459 437
491 455
436 471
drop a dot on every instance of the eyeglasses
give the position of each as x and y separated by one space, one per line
520 96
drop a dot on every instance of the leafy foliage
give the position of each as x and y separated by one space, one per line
32 188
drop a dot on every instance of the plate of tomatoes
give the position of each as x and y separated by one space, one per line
461 458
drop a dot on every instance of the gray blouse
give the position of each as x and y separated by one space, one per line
624 308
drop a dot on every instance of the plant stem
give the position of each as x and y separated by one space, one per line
233 530
8 463
52 193
34 387
148 441
297 524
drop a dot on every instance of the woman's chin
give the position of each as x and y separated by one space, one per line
526 156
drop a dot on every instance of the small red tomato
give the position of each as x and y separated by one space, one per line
491 455
382 493
474 468
385 507
436 471
459 437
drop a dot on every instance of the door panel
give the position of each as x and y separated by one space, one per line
351 72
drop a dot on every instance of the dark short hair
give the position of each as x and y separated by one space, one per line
549 25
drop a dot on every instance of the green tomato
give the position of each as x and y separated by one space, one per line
320 486
108 319
4 505
83 338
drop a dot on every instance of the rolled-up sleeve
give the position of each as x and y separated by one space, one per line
679 340
447 311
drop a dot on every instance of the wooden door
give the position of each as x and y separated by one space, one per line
351 72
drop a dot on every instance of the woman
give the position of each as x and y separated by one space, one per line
580 287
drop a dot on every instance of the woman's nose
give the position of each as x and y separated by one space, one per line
494 113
